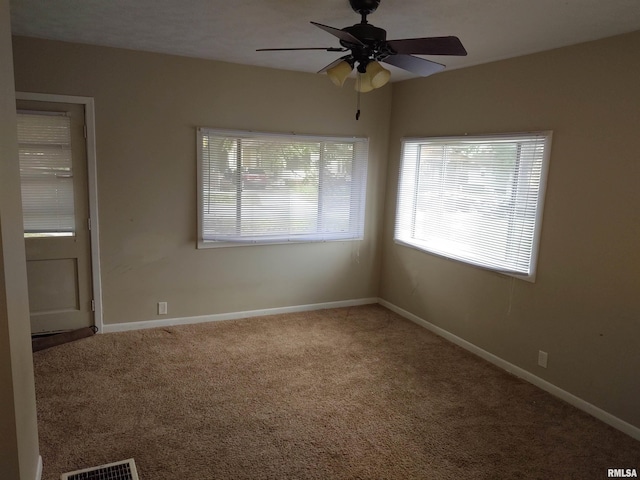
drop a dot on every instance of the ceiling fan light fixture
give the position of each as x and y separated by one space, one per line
378 75
363 83
339 73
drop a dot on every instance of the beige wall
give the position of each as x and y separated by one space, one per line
19 434
147 109
584 308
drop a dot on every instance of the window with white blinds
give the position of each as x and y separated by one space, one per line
475 199
44 143
259 188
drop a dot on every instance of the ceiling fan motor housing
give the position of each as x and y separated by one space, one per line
373 45
367 33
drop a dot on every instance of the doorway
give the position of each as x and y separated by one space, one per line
57 165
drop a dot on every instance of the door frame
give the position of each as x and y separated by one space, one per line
92 182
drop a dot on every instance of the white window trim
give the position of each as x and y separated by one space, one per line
548 134
265 240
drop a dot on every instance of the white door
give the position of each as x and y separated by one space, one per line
53 169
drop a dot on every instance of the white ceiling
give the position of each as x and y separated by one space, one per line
232 30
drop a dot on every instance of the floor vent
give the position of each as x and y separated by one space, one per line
125 470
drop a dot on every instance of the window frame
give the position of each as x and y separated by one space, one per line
356 233
546 136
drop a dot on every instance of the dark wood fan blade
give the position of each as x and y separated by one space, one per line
417 65
428 46
341 34
326 49
333 64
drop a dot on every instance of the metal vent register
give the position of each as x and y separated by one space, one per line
124 470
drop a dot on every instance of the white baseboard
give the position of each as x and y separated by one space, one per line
39 470
169 322
577 402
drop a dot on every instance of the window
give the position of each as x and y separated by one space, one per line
475 199
46 176
268 188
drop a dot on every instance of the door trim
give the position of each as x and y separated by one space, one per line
92 180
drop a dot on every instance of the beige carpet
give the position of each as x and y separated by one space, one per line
353 393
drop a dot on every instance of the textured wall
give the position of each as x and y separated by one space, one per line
147 109
584 308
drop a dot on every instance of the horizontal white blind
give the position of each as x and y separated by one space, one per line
266 188
44 142
476 199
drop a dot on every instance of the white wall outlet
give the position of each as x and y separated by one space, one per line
162 308
542 358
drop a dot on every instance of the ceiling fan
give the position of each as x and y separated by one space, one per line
368 46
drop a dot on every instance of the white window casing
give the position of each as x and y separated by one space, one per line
476 199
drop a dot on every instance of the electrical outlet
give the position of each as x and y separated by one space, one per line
542 358
162 308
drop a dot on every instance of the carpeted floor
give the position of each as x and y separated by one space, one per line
353 393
